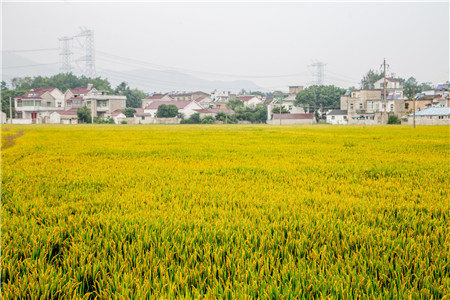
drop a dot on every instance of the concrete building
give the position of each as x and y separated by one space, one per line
337 117
64 117
295 89
431 116
292 119
221 96
2 117
367 107
155 97
37 104
103 104
190 96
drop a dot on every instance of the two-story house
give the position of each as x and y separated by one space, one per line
36 105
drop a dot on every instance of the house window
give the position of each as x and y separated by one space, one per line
441 117
104 103
89 104
392 107
48 104
345 117
19 103
332 117
381 85
37 103
360 106
27 103
59 104
406 105
351 106
19 115
290 107
142 117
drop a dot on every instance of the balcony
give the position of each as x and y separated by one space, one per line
361 111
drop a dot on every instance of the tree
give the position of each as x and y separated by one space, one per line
128 112
393 119
368 80
235 103
167 111
84 114
276 110
317 97
134 97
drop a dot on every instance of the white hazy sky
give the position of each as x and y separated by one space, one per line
255 41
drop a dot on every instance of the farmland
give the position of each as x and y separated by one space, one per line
225 211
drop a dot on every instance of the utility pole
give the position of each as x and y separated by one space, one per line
226 118
414 107
10 110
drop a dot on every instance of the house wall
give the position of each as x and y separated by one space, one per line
429 120
152 120
292 122
338 119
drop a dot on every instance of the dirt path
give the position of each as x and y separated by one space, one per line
9 140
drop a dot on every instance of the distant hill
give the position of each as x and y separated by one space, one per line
14 65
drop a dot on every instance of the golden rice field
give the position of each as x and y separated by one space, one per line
196 211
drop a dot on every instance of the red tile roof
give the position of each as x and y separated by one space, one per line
82 90
179 104
293 116
391 79
116 112
246 98
36 93
66 112
139 110
156 96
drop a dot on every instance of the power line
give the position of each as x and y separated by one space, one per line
29 50
28 66
140 62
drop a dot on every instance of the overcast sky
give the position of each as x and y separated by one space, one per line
261 42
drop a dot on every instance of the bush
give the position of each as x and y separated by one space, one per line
208 120
394 120
123 122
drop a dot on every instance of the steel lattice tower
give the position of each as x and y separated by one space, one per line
319 72
65 55
89 58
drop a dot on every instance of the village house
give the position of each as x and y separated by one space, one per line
431 116
190 96
36 105
73 98
155 97
204 102
64 117
367 107
250 100
337 117
118 116
221 96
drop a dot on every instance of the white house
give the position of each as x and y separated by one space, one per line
2 118
431 116
250 100
185 108
337 117
118 116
